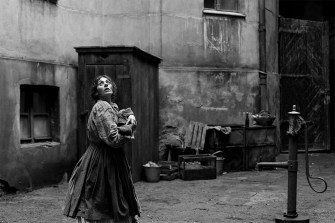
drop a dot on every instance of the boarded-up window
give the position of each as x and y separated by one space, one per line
222 5
39 111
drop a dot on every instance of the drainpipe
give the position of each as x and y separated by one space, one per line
161 27
262 55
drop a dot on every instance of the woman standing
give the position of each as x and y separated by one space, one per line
101 187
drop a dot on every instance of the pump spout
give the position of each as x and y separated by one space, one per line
261 165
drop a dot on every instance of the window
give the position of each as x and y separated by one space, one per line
221 5
39 121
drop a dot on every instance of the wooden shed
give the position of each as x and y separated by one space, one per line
135 73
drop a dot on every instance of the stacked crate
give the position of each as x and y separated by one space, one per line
197 167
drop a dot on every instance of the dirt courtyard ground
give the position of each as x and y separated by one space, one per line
250 196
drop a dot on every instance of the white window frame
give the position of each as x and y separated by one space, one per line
217 11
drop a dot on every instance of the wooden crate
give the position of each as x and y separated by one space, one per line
197 167
168 167
169 170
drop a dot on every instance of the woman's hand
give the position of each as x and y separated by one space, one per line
131 120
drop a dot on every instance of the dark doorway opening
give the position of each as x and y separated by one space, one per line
317 11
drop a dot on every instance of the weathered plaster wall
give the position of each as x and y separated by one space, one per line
29 166
210 96
36 33
40 30
132 23
36 47
210 64
191 38
209 71
43 31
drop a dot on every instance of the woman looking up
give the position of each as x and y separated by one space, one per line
101 188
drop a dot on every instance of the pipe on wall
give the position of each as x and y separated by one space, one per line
262 56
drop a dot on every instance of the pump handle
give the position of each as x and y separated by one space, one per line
308 176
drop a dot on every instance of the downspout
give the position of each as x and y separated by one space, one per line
161 27
262 56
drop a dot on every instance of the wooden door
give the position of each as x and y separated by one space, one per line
120 74
304 79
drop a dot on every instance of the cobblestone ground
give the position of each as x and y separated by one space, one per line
249 196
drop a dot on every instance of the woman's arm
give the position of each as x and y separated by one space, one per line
128 114
106 123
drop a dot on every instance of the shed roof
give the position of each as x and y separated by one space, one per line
118 49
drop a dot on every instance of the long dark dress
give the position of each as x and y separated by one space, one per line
101 186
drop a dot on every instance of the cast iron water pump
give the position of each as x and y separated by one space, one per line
295 124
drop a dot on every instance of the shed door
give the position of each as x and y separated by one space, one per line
120 74
304 79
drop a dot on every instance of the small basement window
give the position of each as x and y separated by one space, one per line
39 113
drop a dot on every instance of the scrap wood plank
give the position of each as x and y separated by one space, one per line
203 137
196 135
189 134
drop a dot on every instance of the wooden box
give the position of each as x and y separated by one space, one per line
169 170
197 167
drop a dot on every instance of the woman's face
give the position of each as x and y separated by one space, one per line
104 88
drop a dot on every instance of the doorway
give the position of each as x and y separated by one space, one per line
306 65
304 75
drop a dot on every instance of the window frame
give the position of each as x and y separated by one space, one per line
225 12
217 6
52 93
